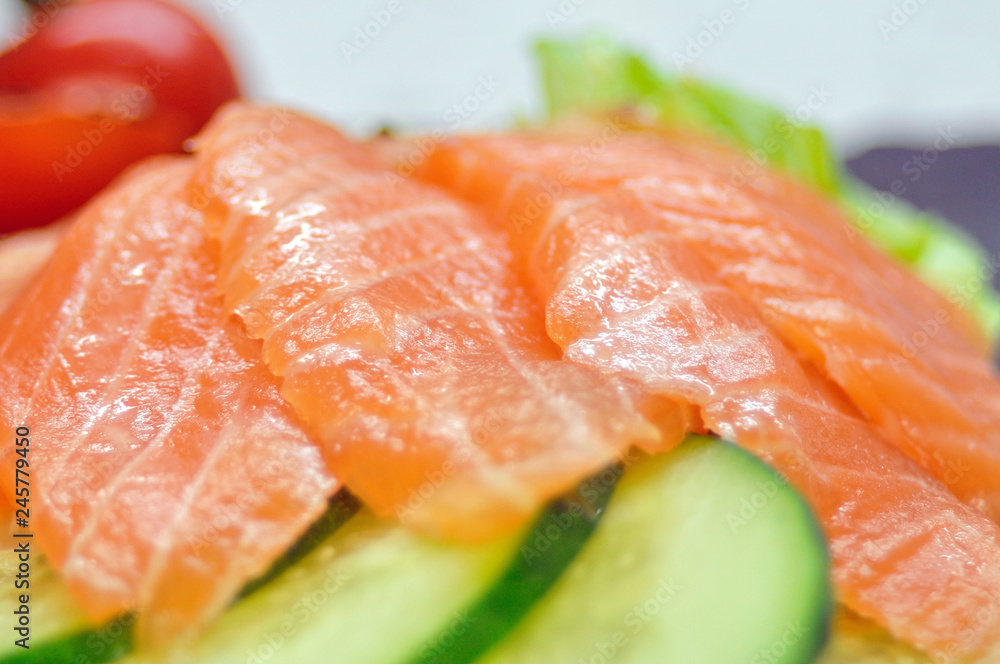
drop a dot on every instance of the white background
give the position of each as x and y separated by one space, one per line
940 68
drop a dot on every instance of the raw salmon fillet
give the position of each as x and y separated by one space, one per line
633 295
166 471
22 255
908 358
402 335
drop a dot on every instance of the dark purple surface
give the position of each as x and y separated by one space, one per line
963 184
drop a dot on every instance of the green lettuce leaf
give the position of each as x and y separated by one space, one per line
593 74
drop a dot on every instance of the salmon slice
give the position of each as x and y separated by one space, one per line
402 336
22 255
630 296
166 471
910 360
905 355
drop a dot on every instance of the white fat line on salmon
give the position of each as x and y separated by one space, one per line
494 421
280 465
301 613
635 620
952 470
22 512
111 288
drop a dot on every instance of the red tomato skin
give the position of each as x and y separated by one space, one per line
54 164
100 85
149 43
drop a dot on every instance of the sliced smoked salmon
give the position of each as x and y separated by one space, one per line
22 255
166 471
401 333
906 356
634 296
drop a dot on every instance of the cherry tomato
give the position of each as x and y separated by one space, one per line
101 84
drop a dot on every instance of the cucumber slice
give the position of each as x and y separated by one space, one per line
705 556
341 509
54 615
61 634
377 593
373 592
543 555
338 596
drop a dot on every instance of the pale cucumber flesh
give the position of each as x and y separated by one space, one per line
704 556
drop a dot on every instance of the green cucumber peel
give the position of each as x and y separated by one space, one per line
113 641
551 544
706 555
